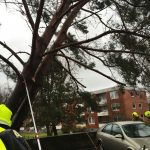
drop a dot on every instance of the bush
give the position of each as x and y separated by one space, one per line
74 130
65 128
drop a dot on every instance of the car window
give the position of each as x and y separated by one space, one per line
116 130
137 130
107 129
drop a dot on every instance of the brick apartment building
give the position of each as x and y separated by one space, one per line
116 104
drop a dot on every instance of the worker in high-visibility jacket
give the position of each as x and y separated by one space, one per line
147 117
136 117
10 139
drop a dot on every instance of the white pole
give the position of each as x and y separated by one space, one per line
37 137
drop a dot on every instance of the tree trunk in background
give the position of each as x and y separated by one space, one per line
48 130
54 129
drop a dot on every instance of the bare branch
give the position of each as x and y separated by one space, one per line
114 51
12 66
100 19
78 62
69 71
13 52
19 53
96 57
28 13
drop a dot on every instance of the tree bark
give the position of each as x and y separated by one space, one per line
48 130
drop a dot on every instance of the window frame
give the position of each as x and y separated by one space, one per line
114 95
91 120
133 107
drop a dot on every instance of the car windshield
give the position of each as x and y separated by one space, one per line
137 130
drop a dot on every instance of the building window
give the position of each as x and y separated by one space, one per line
114 95
134 106
140 106
132 93
102 97
115 106
91 120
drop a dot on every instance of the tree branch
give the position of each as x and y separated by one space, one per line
28 13
12 66
97 37
13 53
19 53
96 57
114 51
93 70
69 71
100 19
36 27
51 28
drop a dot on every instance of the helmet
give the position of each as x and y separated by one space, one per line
147 114
135 114
5 115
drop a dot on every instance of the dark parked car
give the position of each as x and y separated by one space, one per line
125 135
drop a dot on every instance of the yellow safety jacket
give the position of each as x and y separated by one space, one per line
12 140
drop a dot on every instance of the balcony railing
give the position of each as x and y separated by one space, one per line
103 113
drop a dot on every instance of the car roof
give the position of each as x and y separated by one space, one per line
126 122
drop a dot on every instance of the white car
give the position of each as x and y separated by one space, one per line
124 135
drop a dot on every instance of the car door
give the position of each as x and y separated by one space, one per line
105 136
111 137
118 141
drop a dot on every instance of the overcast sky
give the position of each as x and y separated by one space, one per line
16 34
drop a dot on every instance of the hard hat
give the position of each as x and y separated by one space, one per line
5 115
135 114
147 114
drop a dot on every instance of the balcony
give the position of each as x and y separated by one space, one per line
103 113
102 103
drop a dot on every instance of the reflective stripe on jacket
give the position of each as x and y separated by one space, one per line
2 146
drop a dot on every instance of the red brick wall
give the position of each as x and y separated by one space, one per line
93 115
138 99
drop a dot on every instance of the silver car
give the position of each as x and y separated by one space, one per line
125 135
